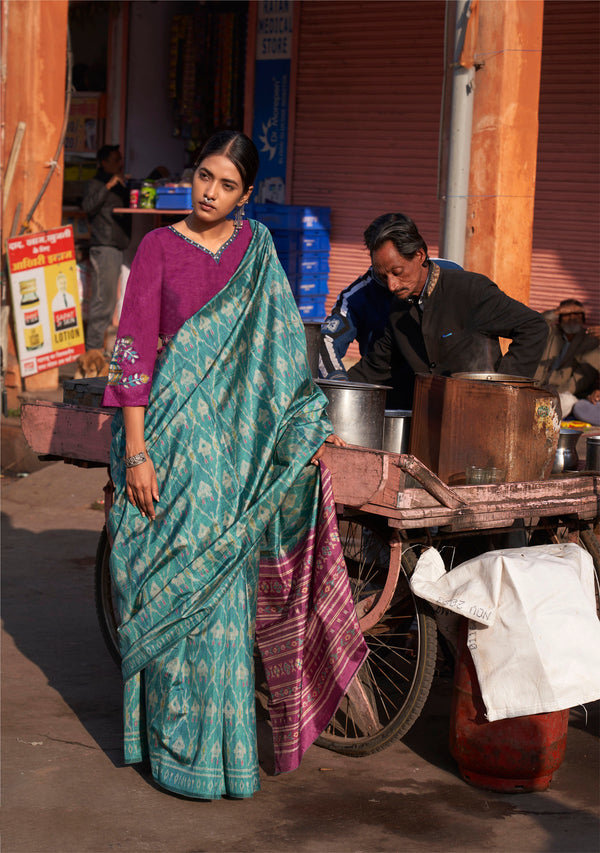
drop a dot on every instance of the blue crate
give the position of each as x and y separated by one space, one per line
314 241
310 285
301 241
282 217
312 263
173 198
311 308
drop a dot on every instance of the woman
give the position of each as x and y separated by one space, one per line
210 464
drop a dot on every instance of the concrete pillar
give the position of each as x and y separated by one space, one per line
504 143
33 81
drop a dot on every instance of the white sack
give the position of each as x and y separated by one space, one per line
533 631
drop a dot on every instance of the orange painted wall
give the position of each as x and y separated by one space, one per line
33 91
504 143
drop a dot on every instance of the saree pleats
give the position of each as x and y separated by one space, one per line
307 631
233 419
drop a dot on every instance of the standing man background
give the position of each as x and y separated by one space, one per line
110 235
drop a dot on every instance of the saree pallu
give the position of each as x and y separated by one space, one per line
233 420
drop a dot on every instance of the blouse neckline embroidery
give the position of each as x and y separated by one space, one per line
216 256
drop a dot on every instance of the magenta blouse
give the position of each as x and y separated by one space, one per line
171 278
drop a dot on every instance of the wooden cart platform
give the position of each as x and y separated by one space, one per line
389 507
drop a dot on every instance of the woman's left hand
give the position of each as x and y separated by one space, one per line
331 439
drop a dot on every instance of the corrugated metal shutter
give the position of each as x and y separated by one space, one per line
367 119
567 224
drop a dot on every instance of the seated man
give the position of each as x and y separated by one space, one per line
442 321
571 361
360 312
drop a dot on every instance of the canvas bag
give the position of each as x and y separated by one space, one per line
533 630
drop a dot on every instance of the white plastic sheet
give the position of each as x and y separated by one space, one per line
533 630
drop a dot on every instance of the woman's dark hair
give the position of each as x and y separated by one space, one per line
238 148
399 230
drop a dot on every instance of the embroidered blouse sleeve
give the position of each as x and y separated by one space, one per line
134 355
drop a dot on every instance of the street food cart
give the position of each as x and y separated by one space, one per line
390 506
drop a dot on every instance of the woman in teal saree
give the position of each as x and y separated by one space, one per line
216 503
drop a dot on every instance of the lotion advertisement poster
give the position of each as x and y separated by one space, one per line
46 309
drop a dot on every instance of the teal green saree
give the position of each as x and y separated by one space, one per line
232 423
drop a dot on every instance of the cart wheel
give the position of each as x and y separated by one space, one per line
557 531
106 608
391 687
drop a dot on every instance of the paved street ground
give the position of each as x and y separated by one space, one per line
65 787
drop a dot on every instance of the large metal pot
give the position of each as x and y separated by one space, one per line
396 430
356 411
312 330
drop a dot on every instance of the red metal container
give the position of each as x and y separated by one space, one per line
511 425
511 756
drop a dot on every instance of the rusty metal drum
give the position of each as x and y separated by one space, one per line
500 422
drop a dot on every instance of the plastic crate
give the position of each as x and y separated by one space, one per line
310 285
301 241
173 198
312 263
281 217
311 309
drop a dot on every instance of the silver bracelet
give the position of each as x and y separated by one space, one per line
136 459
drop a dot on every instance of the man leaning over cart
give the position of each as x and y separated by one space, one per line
360 312
441 321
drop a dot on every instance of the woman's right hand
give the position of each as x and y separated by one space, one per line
142 487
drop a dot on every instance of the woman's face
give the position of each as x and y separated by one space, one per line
403 277
217 189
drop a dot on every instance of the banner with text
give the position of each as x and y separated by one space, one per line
271 97
43 280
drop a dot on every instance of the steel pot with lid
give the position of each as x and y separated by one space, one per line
396 430
356 410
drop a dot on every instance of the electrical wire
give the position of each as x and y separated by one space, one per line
54 162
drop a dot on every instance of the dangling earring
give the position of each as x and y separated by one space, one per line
238 219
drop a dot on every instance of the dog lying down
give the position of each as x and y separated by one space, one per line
91 363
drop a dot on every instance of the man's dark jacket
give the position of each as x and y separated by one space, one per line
458 331
107 228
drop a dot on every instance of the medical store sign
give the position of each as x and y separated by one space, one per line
45 295
271 97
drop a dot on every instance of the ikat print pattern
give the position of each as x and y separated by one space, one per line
232 422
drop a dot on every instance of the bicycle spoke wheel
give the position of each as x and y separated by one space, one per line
390 689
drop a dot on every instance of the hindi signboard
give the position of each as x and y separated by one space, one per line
43 280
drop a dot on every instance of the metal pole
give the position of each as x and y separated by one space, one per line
459 155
